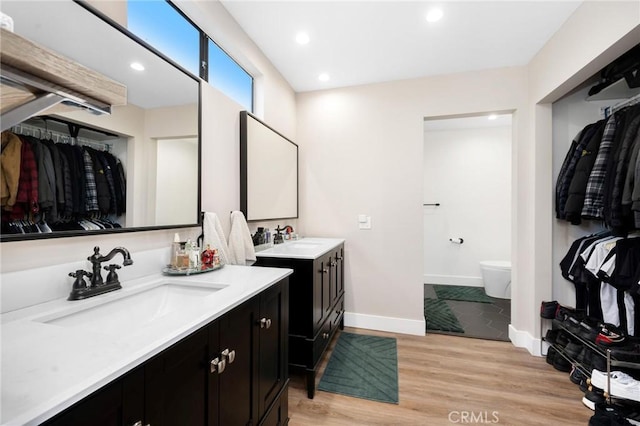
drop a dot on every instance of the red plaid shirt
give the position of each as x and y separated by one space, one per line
27 199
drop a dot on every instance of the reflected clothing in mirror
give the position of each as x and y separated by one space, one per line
59 186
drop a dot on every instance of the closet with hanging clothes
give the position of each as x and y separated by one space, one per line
598 182
596 234
58 175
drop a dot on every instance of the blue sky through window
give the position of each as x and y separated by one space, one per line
160 25
226 75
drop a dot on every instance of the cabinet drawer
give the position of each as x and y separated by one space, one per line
321 342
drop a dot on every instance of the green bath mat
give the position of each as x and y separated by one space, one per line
439 316
364 367
463 293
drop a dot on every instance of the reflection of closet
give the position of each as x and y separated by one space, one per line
36 80
79 182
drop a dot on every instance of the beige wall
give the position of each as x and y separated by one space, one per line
361 151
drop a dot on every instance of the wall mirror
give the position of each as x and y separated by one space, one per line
268 171
155 136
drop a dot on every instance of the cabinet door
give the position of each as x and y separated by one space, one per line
272 344
119 403
236 334
176 384
322 291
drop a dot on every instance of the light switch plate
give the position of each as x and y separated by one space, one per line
366 223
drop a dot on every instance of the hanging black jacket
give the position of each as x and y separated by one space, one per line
578 186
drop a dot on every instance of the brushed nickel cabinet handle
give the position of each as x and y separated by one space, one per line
325 335
265 323
218 365
228 356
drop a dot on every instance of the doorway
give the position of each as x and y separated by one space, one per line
467 220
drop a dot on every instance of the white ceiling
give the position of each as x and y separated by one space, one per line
360 42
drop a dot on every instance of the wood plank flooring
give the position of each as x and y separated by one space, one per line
445 378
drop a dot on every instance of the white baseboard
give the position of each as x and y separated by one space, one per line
453 280
390 324
522 339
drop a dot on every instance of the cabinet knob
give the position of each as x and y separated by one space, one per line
265 323
229 356
340 258
324 271
218 365
325 335
333 264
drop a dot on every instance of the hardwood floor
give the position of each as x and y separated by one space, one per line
445 378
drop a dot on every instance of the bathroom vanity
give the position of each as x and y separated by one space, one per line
316 297
204 349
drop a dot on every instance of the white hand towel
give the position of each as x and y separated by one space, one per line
241 249
214 236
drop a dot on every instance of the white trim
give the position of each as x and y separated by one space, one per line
394 325
453 280
522 339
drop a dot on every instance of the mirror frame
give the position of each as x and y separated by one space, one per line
78 233
245 116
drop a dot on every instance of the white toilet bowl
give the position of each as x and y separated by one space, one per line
496 275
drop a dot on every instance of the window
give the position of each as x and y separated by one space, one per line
167 30
227 76
162 26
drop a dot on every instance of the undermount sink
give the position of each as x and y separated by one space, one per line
136 310
302 245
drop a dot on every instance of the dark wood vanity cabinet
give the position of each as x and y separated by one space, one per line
230 372
316 307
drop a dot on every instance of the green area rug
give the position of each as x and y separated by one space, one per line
364 367
463 293
439 316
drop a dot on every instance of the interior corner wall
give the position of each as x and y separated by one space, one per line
362 153
274 99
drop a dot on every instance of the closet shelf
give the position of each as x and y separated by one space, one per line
34 79
617 90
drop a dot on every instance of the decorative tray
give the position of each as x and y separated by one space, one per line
168 270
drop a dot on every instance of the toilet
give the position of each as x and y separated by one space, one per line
496 275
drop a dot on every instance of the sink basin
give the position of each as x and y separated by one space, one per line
135 310
302 245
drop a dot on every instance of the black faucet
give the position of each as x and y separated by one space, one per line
97 285
277 239
96 260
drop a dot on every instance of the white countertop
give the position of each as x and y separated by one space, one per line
47 368
304 248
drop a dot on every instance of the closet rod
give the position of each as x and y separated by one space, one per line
35 131
627 102
76 125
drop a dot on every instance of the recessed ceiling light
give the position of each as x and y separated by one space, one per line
137 66
323 77
492 117
302 38
434 15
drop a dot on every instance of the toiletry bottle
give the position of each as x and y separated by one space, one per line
267 238
175 249
194 256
